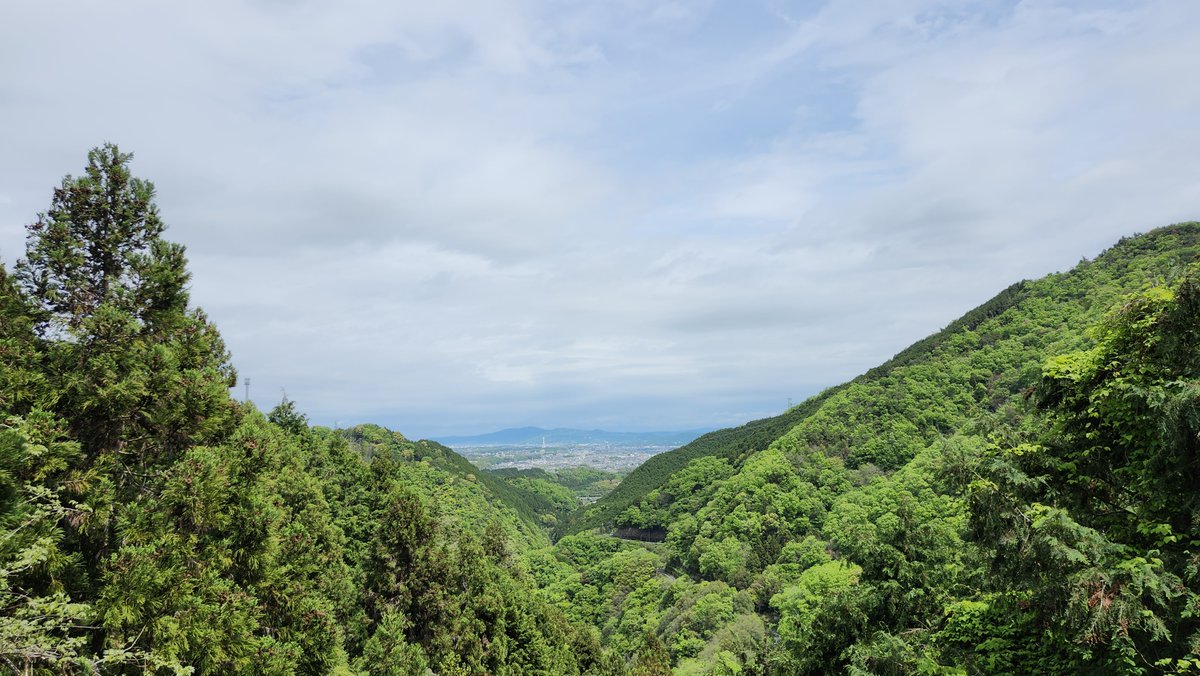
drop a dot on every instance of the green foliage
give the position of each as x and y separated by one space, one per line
737 648
925 517
746 519
1098 519
906 535
730 444
287 417
652 658
463 493
586 481
897 476
685 492
99 245
389 653
551 501
38 626
149 523
695 614
1000 635
820 616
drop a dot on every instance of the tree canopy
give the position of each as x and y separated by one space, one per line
1013 494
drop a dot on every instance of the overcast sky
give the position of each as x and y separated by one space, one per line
452 217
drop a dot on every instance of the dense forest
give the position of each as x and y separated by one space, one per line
1014 494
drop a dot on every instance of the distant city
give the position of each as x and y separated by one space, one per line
530 447
620 459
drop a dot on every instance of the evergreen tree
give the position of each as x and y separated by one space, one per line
136 377
652 659
288 417
141 376
99 244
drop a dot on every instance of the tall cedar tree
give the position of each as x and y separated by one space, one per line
142 376
99 245
137 375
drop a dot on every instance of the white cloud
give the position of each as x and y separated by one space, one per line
453 216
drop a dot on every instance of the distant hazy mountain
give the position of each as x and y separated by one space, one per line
534 436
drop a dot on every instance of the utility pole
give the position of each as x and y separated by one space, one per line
789 404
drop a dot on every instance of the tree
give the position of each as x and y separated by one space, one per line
652 659
820 616
1098 520
98 335
286 416
99 244
110 296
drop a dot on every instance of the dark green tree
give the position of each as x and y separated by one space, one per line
288 417
134 362
99 244
1097 521
652 658
136 376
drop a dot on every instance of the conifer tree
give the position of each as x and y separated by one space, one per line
652 659
1099 519
111 296
136 376
99 244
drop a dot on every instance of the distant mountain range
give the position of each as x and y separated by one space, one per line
535 436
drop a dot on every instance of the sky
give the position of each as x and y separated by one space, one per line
453 217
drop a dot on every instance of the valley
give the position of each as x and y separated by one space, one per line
1013 494
640 338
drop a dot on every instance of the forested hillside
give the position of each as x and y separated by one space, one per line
150 523
916 518
727 443
978 364
1014 494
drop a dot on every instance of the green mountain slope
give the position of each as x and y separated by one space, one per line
977 504
462 492
980 363
731 444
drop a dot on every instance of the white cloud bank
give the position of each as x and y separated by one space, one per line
456 216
